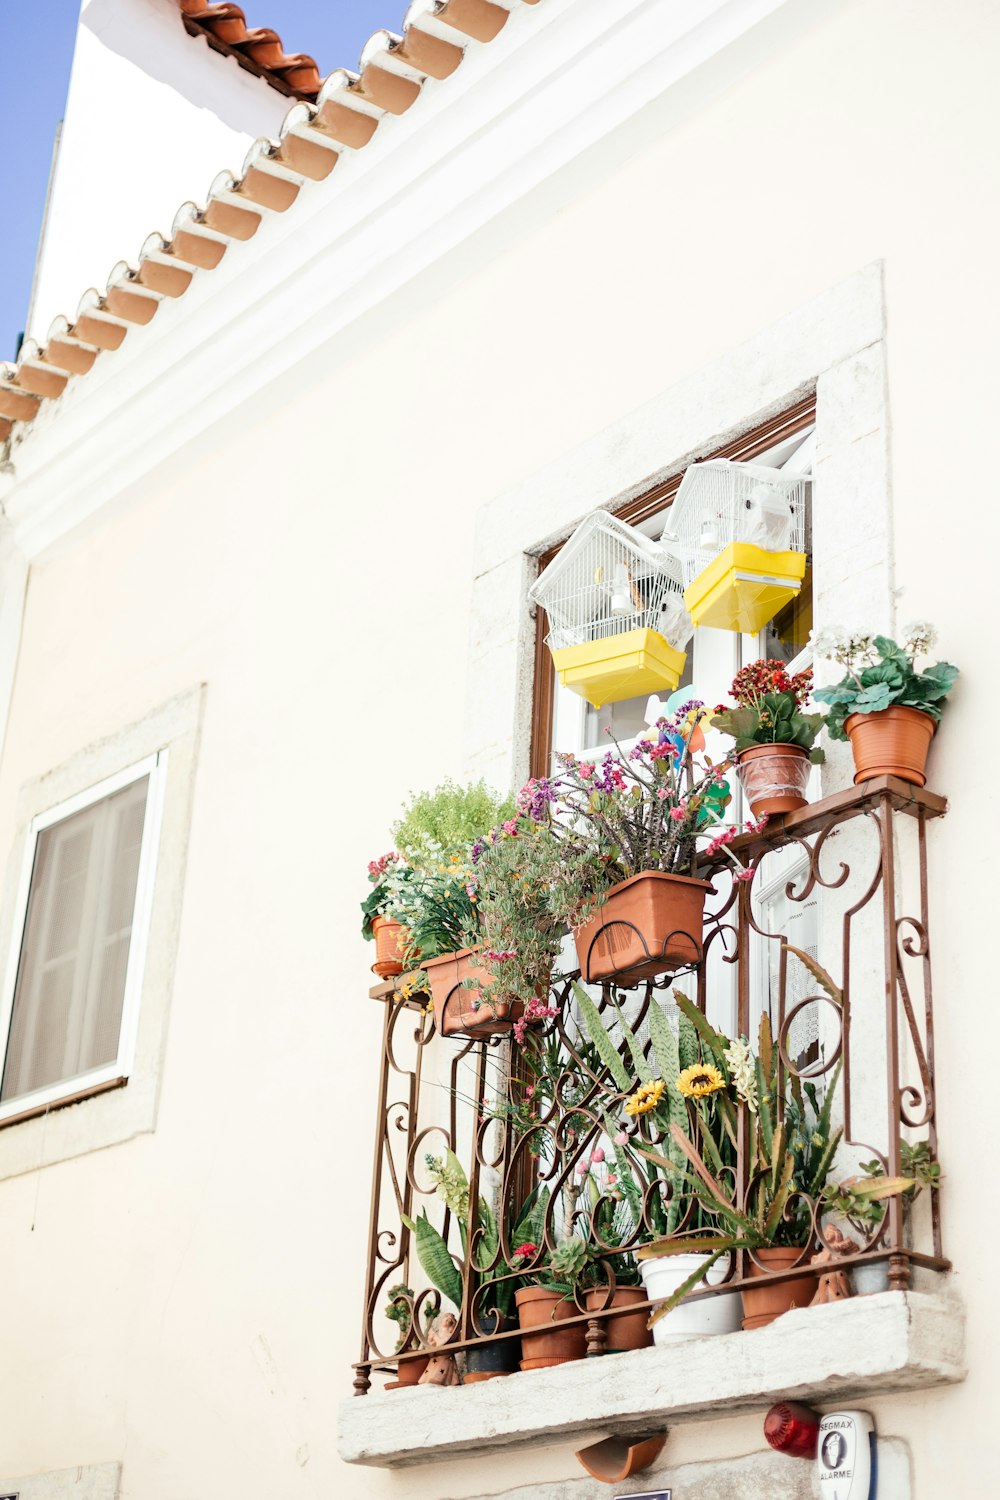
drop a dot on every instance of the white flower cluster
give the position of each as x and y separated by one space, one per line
851 651
740 1063
919 638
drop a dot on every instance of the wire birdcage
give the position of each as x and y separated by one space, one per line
721 502
618 623
739 532
607 580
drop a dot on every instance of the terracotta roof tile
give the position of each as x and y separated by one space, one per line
259 49
342 114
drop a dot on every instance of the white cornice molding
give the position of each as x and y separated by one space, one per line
559 78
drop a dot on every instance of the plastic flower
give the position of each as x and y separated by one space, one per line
527 1251
646 1097
699 1080
621 1139
740 1063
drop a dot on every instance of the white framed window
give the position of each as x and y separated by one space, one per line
70 1001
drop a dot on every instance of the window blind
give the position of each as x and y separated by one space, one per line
67 1011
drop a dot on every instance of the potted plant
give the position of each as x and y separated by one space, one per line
860 1201
399 1309
775 740
519 934
387 877
438 906
494 1280
663 1097
549 1299
792 1142
887 709
626 833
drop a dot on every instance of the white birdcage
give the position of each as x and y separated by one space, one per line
739 532
618 624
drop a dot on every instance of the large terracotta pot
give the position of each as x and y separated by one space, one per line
762 1305
466 1012
894 742
628 1332
539 1308
648 925
774 778
663 1274
389 939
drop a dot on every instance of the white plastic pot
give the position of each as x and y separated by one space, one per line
690 1320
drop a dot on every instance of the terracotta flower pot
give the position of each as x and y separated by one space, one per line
629 1332
762 1305
648 925
409 1372
774 778
389 939
466 1012
539 1308
894 742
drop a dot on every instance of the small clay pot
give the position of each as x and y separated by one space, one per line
539 1308
628 1332
409 1372
761 1305
389 939
648 925
894 742
774 778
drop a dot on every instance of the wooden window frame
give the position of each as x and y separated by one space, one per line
639 508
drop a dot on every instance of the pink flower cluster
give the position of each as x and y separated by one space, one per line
377 867
500 955
535 1010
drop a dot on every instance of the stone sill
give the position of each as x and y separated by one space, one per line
842 1351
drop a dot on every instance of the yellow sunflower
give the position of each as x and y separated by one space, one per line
700 1079
645 1098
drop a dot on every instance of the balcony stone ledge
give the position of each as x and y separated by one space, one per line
893 1341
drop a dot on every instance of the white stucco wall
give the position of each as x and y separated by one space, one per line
187 1301
151 116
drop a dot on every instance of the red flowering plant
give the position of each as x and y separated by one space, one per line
768 709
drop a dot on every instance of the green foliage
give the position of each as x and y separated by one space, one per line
890 680
439 827
605 1047
435 1258
779 722
514 924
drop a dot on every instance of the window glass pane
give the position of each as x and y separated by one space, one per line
70 987
787 635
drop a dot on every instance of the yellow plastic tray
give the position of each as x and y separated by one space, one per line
744 587
620 666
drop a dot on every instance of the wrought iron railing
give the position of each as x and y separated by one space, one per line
846 879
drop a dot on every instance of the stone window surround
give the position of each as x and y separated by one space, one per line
835 346
107 1117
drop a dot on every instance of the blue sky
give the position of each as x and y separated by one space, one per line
36 54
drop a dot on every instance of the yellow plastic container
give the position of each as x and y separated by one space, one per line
620 666
744 587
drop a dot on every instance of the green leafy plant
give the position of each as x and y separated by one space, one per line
881 674
768 709
399 1309
792 1141
496 1279
438 827
514 923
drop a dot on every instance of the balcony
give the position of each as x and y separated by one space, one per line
543 1120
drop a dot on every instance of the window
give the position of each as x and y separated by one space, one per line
70 1002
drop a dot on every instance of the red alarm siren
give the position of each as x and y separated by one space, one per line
793 1429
